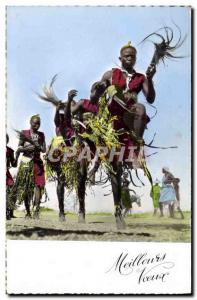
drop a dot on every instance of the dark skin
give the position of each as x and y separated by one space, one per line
125 181
77 108
57 120
175 181
60 177
176 187
128 58
57 114
67 111
96 92
125 187
137 124
29 150
169 179
12 161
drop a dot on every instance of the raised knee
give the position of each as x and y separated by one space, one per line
140 109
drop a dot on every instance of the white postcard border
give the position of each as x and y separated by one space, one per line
179 253
65 267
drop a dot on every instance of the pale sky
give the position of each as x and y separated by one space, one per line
80 44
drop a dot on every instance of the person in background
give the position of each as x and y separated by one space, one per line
10 162
177 192
167 194
64 129
30 179
155 194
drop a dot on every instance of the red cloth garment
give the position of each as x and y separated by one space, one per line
89 106
135 84
70 132
39 178
41 140
65 129
60 130
9 157
9 179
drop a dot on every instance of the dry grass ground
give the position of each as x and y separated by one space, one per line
100 227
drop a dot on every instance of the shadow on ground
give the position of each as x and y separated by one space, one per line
178 227
140 228
43 232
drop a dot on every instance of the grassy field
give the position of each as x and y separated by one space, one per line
100 227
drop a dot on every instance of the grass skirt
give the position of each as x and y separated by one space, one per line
23 187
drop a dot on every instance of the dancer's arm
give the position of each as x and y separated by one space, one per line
57 114
69 107
148 86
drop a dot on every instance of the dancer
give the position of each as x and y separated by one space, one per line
69 128
87 108
30 180
127 85
131 118
65 130
177 192
10 162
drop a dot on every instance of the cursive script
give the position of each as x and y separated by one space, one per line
148 268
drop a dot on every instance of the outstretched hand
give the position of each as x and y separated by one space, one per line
72 94
151 71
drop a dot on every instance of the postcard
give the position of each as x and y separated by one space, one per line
98 150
